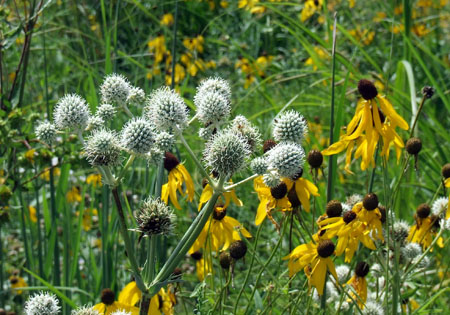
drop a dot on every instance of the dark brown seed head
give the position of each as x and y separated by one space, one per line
413 146
367 89
315 158
427 91
204 182
446 170
383 213
107 297
177 272
298 175
238 249
333 208
225 260
423 211
370 201
268 144
362 269
293 199
196 255
279 191
13 280
436 222
325 248
349 216
219 212
170 161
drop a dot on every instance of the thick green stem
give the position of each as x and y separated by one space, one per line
125 168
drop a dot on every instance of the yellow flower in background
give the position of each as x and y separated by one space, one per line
244 65
315 259
167 19
424 230
219 232
359 283
369 123
303 190
17 282
252 6
177 176
95 180
379 16
202 266
420 29
180 74
364 36
310 7
262 63
46 174
228 196
224 4
73 195
158 47
88 214
321 53
271 198
194 44
32 211
30 154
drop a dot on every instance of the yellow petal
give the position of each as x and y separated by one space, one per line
205 196
130 294
389 111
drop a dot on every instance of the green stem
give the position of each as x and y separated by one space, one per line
228 188
127 241
127 111
125 168
416 119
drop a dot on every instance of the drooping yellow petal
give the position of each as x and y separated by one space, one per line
205 196
302 195
190 190
130 294
335 148
389 111
318 275
173 191
261 212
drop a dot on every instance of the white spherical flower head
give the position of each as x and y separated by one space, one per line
85 310
287 158
164 141
106 111
259 165
400 231
206 133
72 112
137 136
155 218
343 272
102 148
155 156
225 153
440 207
212 108
115 89
248 131
290 126
411 250
215 85
46 132
96 122
166 110
373 308
271 179
42 303
121 312
136 96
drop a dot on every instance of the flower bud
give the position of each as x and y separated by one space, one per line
333 208
102 148
259 165
115 89
290 126
137 136
155 218
413 146
370 201
325 248
71 112
46 132
85 310
225 260
238 249
367 89
42 303
106 111
428 91
315 158
287 159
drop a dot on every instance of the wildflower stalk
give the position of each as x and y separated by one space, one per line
416 119
126 166
228 188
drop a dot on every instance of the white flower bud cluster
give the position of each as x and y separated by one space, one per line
102 148
250 132
136 96
115 89
85 310
440 206
164 141
212 109
411 251
137 136
271 179
290 126
71 112
343 273
214 85
96 122
166 110
42 303
287 158
46 132
373 308
259 165
226 152
106 111
155 218
400 231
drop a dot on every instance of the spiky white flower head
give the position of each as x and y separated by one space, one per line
422 263
102 148
343 272
215 85
290 126
166 110
121 312
376 269
446 224
411 250
440 206
155 156
344 306
164 141
154 218
248 131
332 294
225 153
106 111
271 179
345 208
400 231
85 310
115 89
46 132
373 308
42 303
207 133
287 158
212 108
259 165
353 199
137 136
136 96
96 122
71 111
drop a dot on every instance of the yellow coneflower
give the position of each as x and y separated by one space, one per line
271 198
95 180
221 229
73 195
228 196
252 6
423 231
194 44
158 46
87 218
167 19
177 176
359 283
303 190
109 305
180 74
370 215
32 211
367 126
17 282
321 53
46 174
315 259
203 266
311 7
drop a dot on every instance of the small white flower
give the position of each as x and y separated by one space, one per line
216 85
164 141
271 179
96 122
46 132
373 308
137 136
287 158
212 108
102 148
85 310
440 206
343 272
136 96
106 111
249 131
42 303
259 165
121 312
290 126
72 112
411 250
115 89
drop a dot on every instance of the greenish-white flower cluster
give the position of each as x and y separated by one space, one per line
155 218
287 158
71 112
103 148
85 310
137 136
42 303
46 132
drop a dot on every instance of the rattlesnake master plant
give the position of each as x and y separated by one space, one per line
287 158
42 303
115 89
71 112
138 136
46 132
155 218
85 310
103 148
106 111
290 126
